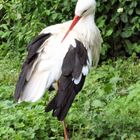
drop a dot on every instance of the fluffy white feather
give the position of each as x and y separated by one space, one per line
47 68
35 88
85 70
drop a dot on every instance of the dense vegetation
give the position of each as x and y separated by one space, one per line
108 107
118 21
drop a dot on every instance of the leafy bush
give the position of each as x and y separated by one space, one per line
107 108
120 26
21 20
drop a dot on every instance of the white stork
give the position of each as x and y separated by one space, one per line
62 54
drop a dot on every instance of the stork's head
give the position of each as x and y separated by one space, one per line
83 9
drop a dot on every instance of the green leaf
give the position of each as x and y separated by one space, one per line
126 34
1 6
124 18
130 12
109 32
137 11
98 103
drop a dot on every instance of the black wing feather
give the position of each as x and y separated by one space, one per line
35 45
31 57
72 66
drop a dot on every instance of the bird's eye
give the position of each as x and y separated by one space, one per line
84 11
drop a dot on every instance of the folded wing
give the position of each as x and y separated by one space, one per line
74 69
29 65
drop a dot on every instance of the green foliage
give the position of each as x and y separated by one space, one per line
21 20
107 108
120 26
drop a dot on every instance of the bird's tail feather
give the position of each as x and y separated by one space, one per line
67 91
35 87
61 103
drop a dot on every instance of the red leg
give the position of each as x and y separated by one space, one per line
66 137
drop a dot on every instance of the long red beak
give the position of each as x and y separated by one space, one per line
74 22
